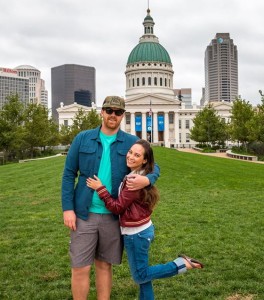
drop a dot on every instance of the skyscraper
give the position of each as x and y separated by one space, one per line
37 92
221 69
13 84
72 83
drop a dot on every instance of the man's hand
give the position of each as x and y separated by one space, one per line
136 182
69 218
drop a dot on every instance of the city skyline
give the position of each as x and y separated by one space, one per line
102 36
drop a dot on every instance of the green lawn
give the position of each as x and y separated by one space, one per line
210 208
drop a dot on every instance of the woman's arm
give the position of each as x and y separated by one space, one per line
116 206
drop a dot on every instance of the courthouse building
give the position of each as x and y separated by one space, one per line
154 109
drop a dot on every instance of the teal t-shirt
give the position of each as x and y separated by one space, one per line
104 174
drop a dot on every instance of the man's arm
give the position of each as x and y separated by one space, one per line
137 182
68 182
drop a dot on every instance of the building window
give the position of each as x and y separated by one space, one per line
128 118
179 124
149 80
160 81
180 137
187 124
187 137
66 123
133 82
165 81
155 81
171 117
137 81
143 81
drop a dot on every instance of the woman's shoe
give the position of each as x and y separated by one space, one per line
193 262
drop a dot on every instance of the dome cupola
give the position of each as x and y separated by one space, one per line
149 66
149 49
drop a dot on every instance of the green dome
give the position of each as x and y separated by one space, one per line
148 18
149 52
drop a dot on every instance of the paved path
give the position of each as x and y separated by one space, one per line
222 155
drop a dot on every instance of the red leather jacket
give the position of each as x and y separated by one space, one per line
128 205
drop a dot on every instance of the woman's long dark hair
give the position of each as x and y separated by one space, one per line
150 195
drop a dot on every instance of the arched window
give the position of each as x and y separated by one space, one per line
155 81
149 80
160 81
143 81
137 81
165 81
133 82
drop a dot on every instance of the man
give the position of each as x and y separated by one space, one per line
95 232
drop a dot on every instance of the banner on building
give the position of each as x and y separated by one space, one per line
161 123
138 123
149 123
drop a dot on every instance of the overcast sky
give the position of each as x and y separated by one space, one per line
102 33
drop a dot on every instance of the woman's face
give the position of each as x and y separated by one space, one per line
135 157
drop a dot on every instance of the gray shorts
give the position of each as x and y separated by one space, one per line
98 238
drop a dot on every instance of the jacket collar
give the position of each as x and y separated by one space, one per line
120 136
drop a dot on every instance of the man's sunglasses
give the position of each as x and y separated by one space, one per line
118 112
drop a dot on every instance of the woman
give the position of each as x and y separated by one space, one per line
135 208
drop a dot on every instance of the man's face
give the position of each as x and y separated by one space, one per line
112 117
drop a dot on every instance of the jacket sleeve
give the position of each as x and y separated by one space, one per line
153 177
119 205
69 175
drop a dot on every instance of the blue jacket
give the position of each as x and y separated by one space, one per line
83 161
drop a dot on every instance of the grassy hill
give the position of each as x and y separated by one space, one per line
210 208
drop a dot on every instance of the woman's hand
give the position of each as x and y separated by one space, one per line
93 183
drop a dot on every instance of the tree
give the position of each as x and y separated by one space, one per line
255 127
208 127
37 127
242 114
65 135
82 121
53 136
11 126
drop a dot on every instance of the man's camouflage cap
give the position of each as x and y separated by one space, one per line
114 101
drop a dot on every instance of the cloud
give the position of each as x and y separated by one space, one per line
102 33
